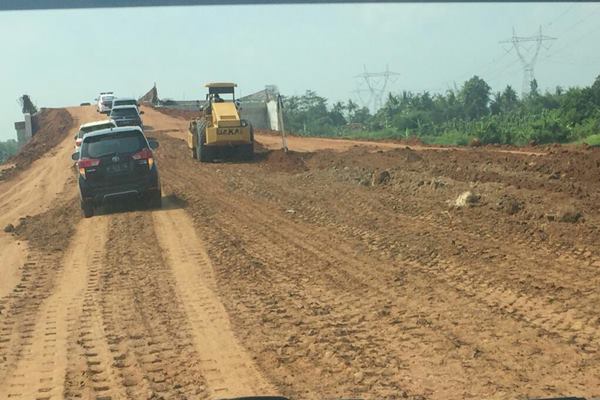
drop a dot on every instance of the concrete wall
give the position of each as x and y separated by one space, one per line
256 114
273 116
24 129
28 126
20 128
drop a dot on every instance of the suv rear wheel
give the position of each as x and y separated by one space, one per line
155 199
87 208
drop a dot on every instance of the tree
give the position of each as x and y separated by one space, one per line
337 114
7 149
533 88
475 96
361 116
596 90
504 102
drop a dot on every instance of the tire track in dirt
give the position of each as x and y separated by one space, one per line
91 372
484 337
37 369
227 367
501 287
494 288
20 308
143 331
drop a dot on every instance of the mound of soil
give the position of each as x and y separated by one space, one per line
182 114
51 230
53 124
279 160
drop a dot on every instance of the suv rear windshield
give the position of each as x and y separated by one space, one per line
124 112
94 128
124 103
113 143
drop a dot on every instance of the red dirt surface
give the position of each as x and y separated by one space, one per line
345 271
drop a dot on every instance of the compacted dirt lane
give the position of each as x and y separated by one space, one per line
227 367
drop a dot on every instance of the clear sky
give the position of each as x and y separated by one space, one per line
63 58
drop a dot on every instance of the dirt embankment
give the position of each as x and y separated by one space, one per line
54 124
181 114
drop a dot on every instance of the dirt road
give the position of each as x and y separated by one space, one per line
311 274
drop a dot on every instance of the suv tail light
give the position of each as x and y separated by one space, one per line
87 163
144 156
78 142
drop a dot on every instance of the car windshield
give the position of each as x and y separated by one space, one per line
124 112
88 129
124 102
117 143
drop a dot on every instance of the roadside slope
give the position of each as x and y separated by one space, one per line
39 184
34 190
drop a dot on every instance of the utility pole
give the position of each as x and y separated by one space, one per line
280 123
528 63
374 85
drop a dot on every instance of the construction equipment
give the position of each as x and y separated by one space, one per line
220 133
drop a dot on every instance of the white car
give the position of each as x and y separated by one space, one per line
105 102
125 101
91 127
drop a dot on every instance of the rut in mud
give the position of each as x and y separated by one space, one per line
346 271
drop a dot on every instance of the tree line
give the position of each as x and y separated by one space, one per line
458 116
7 149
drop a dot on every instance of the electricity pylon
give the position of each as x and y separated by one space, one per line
374 85
522 52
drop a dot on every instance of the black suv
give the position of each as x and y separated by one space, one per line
117 163
126 116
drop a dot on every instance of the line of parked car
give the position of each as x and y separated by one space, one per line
114 158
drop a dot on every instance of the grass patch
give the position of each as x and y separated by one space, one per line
448 139
592 140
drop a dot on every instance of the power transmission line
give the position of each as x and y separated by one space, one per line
579 38
565 12
372 87
528 63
